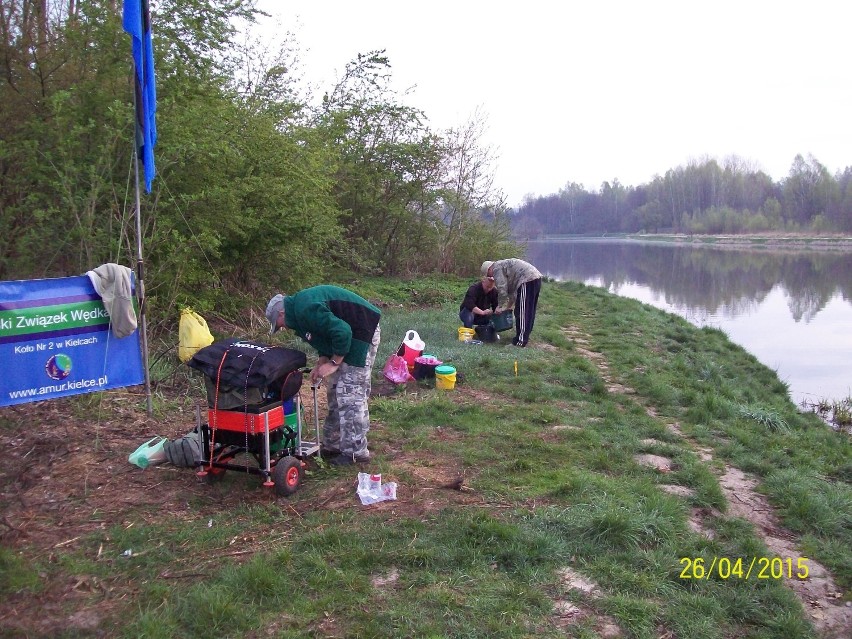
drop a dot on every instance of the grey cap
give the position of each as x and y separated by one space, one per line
484 268
275 306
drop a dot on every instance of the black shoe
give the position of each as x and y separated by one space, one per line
328 453
348 460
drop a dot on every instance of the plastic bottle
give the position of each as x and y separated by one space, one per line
375 485
371 489
151 452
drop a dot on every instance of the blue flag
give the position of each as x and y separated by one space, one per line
137 22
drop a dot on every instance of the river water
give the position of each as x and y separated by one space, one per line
792 309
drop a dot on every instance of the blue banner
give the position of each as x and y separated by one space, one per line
55 341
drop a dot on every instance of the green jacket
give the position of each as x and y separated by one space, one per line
334 321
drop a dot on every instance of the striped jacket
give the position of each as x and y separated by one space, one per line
509 275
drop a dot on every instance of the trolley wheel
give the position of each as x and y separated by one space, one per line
287 475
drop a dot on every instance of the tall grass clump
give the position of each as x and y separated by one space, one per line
767 418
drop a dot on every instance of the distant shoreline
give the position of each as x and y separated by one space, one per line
794 241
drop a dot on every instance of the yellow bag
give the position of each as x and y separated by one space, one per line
193 334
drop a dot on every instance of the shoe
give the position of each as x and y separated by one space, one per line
328 453
347 460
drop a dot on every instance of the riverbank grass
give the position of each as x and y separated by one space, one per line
507 485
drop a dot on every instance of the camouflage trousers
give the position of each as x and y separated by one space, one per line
348 389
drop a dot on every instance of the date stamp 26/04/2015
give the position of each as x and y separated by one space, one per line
744 568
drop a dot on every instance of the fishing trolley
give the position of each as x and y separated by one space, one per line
255 409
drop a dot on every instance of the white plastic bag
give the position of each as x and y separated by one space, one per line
372 491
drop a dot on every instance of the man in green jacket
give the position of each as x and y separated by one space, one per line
344 329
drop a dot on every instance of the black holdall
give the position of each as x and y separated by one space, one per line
486 333
184 451
239 373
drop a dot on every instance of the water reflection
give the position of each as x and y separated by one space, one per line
790 309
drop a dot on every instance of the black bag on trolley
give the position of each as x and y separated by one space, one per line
243 375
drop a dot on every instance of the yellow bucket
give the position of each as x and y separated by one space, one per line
466 334
445 377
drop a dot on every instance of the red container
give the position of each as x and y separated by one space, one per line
245 422
411 348
409 355
253 422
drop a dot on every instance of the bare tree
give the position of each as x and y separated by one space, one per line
468 186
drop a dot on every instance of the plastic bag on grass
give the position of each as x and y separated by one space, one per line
396 370
371 490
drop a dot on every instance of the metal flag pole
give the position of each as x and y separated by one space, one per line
136 21
140 285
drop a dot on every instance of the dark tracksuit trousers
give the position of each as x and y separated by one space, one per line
525 305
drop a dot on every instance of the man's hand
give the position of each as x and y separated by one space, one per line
323 370
325 367
320 370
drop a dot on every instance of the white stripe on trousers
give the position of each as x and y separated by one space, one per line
522 311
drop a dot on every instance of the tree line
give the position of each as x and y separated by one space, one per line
701 197
261 184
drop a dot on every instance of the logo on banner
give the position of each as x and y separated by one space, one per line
58 367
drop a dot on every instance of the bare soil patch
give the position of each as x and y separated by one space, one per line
568 614
662 464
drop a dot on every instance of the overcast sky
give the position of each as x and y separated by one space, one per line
592 90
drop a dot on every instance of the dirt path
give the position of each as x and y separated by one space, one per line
819 594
